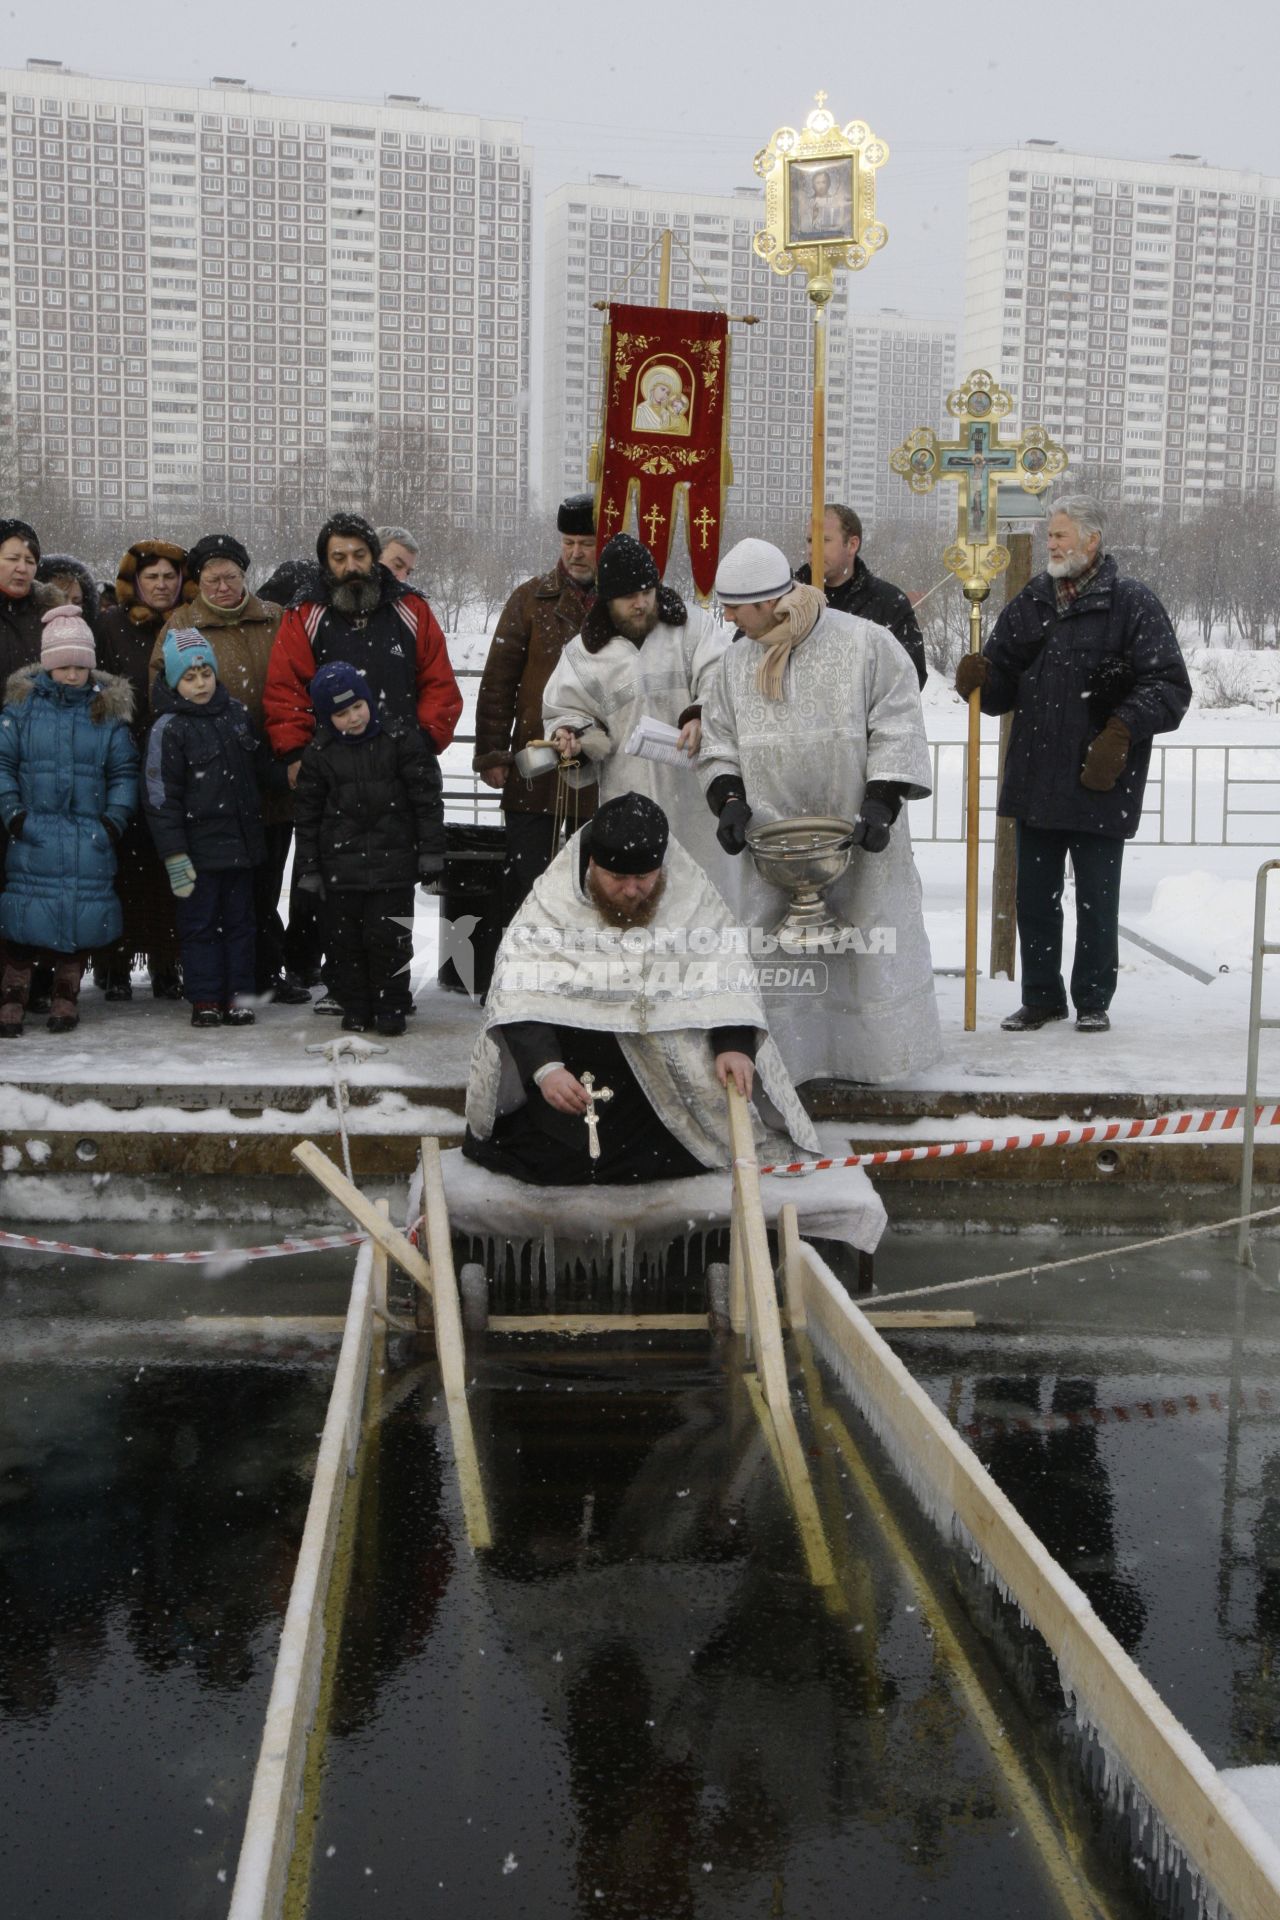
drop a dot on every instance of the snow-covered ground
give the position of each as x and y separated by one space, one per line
1170 1032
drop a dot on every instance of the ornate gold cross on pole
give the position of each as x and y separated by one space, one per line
591 1117
979 462
820 214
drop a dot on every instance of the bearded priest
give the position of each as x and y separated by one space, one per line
623 1002
818 712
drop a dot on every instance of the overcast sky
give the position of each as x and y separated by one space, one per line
684 94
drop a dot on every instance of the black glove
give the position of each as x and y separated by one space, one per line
732 830
871 828
110 828
430 872
310 883
16 823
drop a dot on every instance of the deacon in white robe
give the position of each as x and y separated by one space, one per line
818 712
642 654
624 965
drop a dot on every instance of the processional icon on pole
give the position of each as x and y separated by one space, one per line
820 214
980 463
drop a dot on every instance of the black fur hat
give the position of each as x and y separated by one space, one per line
577 514
216 546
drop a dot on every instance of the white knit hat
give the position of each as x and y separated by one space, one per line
753 570
67 640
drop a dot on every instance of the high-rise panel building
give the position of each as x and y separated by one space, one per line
207 291
1134 309
601 244
899 372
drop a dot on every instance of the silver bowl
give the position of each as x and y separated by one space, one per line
537 757
802 857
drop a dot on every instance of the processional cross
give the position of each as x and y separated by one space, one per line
591 1117
977 461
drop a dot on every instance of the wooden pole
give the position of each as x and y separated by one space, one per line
664 269
364 1213
451 1348
817 567
1004 873
975 592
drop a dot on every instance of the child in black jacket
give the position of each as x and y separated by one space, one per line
202 771
369 821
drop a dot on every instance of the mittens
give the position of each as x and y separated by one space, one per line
182 875
971 674
1105 760
871 828
732 830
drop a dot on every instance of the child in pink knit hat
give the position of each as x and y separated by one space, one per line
68 785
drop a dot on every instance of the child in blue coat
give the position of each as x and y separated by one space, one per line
202 771
68 786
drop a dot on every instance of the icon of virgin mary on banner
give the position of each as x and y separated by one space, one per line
666 429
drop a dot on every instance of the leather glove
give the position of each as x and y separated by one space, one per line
1105 760
732 830
430 873
310 883
110 828
182 875
16 824
971 674
871 828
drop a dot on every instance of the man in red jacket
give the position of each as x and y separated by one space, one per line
386 631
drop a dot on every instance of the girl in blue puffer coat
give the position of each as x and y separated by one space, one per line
68 786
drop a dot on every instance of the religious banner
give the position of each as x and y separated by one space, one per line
666 426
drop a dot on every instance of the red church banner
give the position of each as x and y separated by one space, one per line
666 426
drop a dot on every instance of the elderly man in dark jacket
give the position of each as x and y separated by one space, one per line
853 588
541 616
1090 665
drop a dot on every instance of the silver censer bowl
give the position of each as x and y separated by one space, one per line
802 858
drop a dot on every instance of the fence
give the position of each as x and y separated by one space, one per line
1196 796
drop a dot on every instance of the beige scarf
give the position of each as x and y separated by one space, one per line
799 610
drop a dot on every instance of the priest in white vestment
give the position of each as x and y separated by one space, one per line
623 993
818 712
641 654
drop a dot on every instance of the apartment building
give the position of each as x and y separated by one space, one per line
1134 309
601 245
900 371
206 290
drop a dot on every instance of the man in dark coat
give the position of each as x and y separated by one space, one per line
370 821
1090 665
541 616
853 588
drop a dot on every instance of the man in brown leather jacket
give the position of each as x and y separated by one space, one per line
539 619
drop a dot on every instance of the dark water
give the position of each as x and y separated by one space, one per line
151 1503
1132 1414
638 1704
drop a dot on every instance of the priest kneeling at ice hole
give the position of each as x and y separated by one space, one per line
623 1003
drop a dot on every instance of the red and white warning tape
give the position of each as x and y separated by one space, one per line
1260 1399
1094 1132
193 1258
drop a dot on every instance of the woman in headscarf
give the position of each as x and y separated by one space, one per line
149 585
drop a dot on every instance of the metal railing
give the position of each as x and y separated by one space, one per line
1196 796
